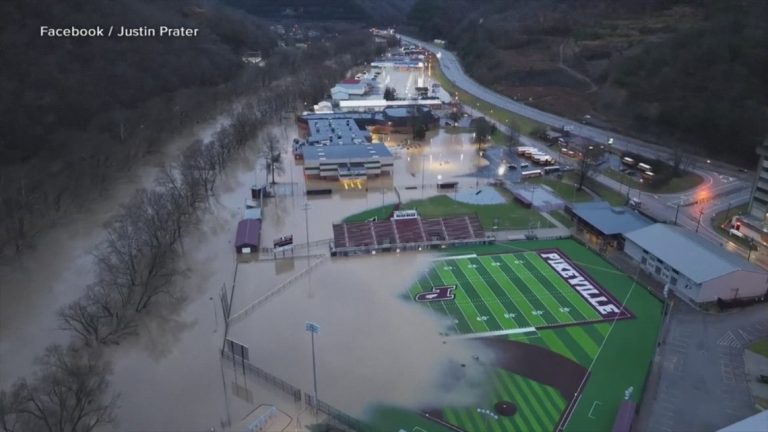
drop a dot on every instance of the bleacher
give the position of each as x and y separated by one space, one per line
358 237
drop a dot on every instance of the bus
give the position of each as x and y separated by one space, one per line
531 173
644 167
628 161
552 169
647 175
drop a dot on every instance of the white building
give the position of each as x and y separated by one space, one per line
693 268
348 161
758 204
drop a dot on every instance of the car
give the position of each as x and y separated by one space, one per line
511 166
744 170
524 165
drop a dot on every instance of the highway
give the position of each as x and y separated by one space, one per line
724 185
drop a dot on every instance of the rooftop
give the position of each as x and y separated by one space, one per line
610 220
688 253
336 131
367 151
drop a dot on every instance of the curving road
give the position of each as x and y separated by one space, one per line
451 67
725 186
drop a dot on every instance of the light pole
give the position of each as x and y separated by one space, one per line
306 208
677 211
698 222
313 329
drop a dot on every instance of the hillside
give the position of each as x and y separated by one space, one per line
360 11
694 71
56 86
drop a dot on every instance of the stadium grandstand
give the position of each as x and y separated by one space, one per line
407 233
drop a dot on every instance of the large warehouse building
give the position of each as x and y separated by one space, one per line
348 161
338 146
694 269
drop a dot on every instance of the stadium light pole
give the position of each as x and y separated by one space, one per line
313 329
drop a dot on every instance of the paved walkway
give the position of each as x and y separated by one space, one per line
754 366
698 382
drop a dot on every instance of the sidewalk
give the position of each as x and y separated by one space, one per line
754 366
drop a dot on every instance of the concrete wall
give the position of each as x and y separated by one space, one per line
733 285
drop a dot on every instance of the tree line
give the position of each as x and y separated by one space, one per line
137 261
702 83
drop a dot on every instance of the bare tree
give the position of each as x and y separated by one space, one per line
587 165
69 393
680 160
271 152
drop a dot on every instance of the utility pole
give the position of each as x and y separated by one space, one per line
698 223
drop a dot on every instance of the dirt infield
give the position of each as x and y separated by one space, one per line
537 363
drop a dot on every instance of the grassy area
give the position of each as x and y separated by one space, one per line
519 123
565 189
507 216
379 213
760 347
678 184
562 218
604 192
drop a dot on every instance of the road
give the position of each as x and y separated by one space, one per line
724 185
452 69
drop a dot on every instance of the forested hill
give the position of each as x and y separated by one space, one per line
695 71
368 12
54 86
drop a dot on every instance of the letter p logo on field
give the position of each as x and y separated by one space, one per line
437 294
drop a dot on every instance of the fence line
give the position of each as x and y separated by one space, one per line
293 391
335 414
275 291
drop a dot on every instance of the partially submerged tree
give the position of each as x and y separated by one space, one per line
390 94
69 393
454 115
483 129
271 152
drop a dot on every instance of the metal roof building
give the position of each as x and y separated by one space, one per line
697 270
607 220
248 236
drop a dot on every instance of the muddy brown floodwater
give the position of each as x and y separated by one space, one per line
56 269
374 347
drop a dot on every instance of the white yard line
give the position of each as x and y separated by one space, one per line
495 333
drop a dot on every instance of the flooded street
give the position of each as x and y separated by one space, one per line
175 362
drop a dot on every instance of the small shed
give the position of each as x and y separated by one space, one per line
248 236
252 213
